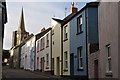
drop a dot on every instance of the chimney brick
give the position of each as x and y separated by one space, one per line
43 29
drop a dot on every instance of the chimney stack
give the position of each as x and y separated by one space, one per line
73 9
43 29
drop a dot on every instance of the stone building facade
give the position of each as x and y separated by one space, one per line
17 38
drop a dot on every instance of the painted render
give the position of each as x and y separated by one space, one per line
41 54
28 54
109 35
56 49
89 34
66 47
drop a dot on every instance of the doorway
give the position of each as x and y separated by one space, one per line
42 64
96 69
72 63
58 66
37 63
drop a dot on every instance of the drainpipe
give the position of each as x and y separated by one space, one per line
51 50
35 53
61 50
86 19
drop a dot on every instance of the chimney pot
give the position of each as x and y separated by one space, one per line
73 9
43 29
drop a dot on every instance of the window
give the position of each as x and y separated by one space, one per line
109 66
47 40
52 32
66 32
47 60
42 44
38 46
79 26
80 58
66 60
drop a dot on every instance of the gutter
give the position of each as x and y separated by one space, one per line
61 50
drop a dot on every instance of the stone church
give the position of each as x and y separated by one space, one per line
21 33
17 38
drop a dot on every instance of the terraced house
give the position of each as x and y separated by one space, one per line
27 53
78 29
56 46
17 37
43 51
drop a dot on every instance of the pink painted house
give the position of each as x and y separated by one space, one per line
43 51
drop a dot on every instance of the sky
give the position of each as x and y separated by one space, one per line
36 16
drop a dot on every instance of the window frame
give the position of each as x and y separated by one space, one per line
66 60
108 56
80 58
47 40
79 24
66 32
47 60
38 46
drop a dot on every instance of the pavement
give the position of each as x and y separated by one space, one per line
21 74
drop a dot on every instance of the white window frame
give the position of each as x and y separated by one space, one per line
80 24
109 64
43 42
66 32
47 60
66 60
80 57
38 46
47 40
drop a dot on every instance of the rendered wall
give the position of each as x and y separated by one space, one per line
108 34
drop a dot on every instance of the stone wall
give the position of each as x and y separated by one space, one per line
91 64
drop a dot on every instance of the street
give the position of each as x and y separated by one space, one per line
21 74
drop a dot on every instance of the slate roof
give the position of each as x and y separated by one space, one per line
39 35
24 41
72 15
58 20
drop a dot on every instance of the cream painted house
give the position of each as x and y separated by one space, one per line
66 49
56 46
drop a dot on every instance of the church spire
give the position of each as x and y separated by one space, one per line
21 27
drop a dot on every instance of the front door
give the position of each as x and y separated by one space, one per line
72 63
96 68
58 66
42 64
37 63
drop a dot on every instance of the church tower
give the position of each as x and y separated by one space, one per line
21 33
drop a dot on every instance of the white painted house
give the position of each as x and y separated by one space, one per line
28 53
